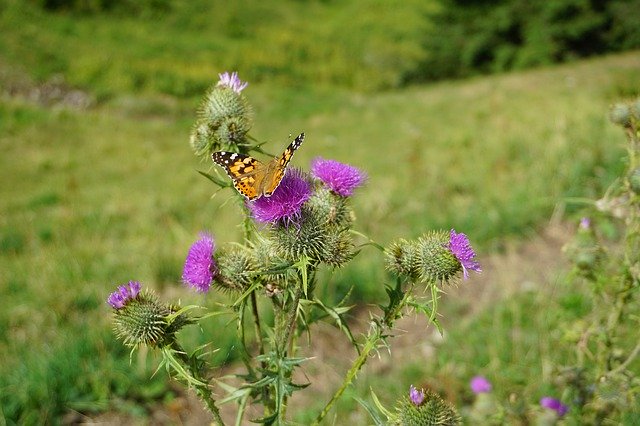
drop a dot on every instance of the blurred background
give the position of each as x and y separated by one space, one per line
485 116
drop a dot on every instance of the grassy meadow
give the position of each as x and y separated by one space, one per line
96 194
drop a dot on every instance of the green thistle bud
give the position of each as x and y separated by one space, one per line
635 109
428 410
436 262
305 238
634 181
270 264
224 118
236 267
222 102
584 250
143 320
202 140
340 248
401 258
331 208
620 114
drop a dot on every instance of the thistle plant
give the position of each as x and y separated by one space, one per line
295 223
601 382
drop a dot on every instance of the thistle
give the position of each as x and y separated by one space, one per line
436 256
340 178
236 268
224 118
283 207
139 319
424 408
200 267
554 405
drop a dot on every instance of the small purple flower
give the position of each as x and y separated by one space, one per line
124 293
232 81
480 384
339 177
585 223
200 268
416 396
554 404
461 249
285 202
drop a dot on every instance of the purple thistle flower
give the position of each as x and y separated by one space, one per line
232 81
554 404
416 396
200 268
480 384
461 248
339 177
285 202
123 294
585 223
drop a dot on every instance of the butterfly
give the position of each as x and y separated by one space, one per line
253 178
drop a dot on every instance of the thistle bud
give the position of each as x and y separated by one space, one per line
442 256
635 109
620 114
236 267
401 258
421 408
224 117
634 181
142 320
331 207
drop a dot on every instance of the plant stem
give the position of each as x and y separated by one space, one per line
370 344
378 327
202 390
291 321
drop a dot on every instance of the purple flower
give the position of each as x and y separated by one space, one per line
480 384
200 268
124 293
232 81
340 178
461 249
285 202
554 404
585 223
416 396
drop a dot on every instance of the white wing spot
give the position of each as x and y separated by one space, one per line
233 156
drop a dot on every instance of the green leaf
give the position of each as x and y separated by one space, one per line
222 183
381 407
374 415
337 317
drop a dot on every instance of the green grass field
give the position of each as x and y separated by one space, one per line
92 197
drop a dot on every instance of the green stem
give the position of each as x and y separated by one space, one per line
391 314
202 390
291 321
353 371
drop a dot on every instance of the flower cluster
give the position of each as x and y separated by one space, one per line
139 319
224 118
422 407
305 223
436 256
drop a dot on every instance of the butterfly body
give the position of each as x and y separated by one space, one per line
253 178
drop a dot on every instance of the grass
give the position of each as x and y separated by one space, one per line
96 197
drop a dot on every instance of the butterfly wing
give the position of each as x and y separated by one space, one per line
244 170
278 166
